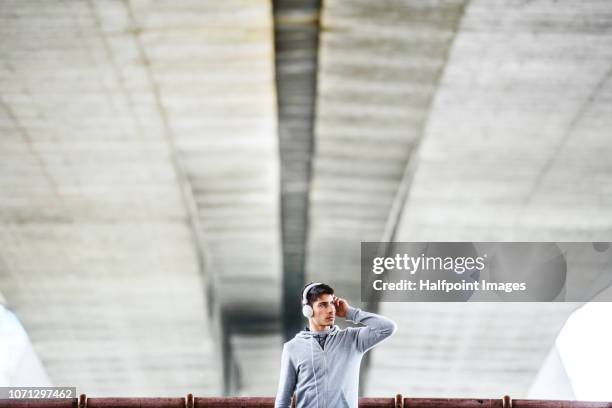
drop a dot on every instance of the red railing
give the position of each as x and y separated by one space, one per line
268 402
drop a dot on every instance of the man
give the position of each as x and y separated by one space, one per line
321 363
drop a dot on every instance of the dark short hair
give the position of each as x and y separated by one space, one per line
316 291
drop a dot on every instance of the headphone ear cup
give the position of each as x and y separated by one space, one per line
307 311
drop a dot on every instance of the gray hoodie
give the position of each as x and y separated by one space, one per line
328 377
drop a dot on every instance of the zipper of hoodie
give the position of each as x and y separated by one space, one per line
314 369
324 370
326 374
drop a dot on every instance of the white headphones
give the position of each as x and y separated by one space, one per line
306 308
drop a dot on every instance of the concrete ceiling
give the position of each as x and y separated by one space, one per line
379 69
160 161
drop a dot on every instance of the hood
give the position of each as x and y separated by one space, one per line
306 334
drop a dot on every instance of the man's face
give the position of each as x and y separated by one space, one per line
324 310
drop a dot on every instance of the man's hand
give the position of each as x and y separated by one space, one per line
342 306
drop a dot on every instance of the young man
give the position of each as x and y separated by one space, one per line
321 363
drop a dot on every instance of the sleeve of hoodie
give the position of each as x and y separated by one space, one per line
377 328
286 383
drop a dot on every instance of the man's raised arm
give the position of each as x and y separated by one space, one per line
377 327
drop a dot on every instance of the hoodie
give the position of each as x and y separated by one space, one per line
328 377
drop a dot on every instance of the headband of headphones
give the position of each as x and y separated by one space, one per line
306 289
